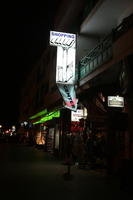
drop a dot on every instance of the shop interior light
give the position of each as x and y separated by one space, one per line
43 112
48 117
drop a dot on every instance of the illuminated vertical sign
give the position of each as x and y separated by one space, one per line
69 96
65 66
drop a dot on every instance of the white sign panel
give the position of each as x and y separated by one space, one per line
115 101
76 116
66 40
65 66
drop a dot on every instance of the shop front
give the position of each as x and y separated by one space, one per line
106 122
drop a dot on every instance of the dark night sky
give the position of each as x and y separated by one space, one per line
25 34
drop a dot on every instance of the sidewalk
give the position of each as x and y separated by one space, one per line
30 173
91 184
97 182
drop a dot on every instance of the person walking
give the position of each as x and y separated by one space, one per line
78 150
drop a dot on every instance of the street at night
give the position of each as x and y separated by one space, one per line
66 101
28 173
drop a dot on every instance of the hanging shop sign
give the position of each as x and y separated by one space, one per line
75 127
115 101
69 96
76 116
65 66
66 40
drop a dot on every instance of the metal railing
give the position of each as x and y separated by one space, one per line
103 51
97 56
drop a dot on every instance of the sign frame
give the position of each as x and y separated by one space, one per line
66 40
116 101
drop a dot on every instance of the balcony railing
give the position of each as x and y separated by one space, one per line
97 56
103 51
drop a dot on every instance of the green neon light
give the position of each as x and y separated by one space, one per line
43 112
48 117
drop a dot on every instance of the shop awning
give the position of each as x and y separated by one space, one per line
48 116
39 114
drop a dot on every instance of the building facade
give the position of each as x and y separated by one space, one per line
104 70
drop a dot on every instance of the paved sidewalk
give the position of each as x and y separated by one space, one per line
29 173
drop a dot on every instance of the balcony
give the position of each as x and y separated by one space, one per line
97 56
104 51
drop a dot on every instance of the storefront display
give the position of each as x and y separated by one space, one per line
50 140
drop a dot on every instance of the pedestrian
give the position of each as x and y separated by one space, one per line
68 149
90 146
78 150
